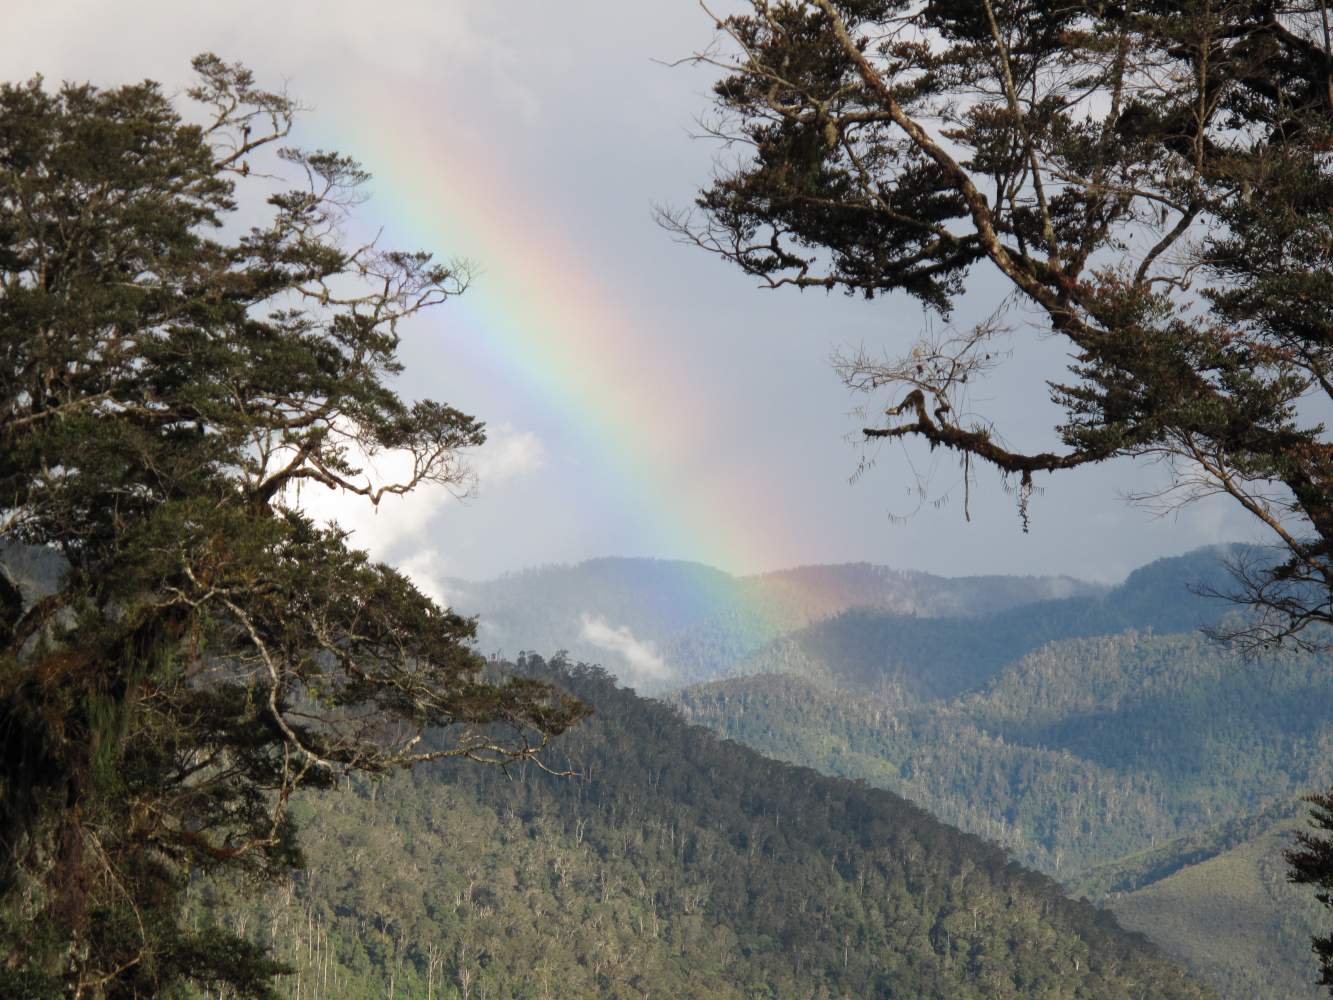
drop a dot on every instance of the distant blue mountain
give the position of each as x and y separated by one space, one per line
939 657
700 621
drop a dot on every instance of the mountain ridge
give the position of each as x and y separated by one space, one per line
699 620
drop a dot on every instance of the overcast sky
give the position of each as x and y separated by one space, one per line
643 398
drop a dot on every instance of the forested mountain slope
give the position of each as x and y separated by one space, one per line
1137 767
1230 913
673 865
700 621
1123 876
915 657
1077 754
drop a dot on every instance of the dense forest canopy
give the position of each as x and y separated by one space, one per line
674 864
1101 740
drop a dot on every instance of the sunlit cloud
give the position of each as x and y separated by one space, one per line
507 454
640 656
399 530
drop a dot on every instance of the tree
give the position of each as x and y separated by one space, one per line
1312 864
202 650
1152 183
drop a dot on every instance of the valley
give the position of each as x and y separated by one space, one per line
1093 733
669 863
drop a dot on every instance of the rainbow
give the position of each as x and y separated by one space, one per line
551 327
557 330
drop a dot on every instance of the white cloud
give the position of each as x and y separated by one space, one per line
399 530
423 41
507 454
382 529
644 662
428 570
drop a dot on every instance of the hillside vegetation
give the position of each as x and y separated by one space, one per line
1235 918
1077 754
672 864
1135 759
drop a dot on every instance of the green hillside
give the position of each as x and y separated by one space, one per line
1137 768
1078 754
672 864
1235 919
1115 879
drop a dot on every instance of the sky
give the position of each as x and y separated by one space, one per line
643 398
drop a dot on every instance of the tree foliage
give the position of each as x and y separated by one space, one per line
187 337
1152 183
1312 864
